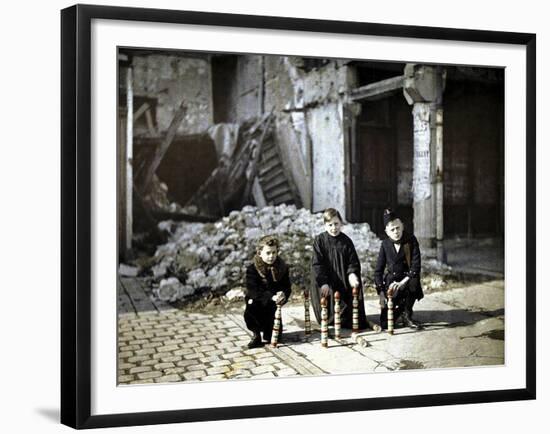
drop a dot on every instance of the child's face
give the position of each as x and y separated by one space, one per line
268 254
333 226
394 230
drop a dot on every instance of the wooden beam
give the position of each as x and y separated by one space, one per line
161 150
140 111
377 90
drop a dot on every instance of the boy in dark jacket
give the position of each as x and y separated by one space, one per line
267 284
336 267
397 272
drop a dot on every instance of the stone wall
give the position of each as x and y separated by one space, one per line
170 79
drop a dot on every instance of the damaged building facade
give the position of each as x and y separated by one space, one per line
232 130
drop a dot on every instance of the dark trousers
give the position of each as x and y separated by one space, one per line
260 318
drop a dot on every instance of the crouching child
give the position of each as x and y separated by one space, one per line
267 284
397 272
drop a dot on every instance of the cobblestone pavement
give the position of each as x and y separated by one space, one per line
175 346
463 327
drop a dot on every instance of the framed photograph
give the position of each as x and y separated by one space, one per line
266 216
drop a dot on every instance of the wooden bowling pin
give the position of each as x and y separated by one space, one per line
355 311
324 322
337 318
307 320
390 315
276 327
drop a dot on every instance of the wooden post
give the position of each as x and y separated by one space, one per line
337 319
307 320
276 327
390 315
324 323
355 313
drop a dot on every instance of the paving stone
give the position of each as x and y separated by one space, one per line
195 339
150 362
225 345
195 375
139 369
159 356
238 333
197 367
232 355
163 366
126 365
184 351
204 348
243 359
137 359
174 342
168 378
210 359
239 373
147 375
262 369
170 359
129 348
126 354
254 351
167 348
218 370
215 352
145 352
162 334
262 355
184 363
244 365
267 361
221 363
125 378
193 356
152 345
171 371
287 372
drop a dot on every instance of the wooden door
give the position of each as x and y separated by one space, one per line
377 182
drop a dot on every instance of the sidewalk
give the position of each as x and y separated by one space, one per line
463 327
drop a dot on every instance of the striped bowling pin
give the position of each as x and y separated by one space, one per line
390 315
307 320
355 312
276 327
324 322
337 319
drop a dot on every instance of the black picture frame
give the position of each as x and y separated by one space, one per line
76 214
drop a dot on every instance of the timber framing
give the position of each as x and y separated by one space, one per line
378 90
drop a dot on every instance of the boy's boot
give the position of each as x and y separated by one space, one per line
408 321
256 341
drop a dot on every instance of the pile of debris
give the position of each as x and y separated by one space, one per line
214 256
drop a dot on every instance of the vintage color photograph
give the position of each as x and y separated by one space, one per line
284 216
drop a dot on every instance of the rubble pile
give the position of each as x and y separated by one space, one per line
214 256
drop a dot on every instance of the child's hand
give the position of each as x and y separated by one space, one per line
279 298
353 280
